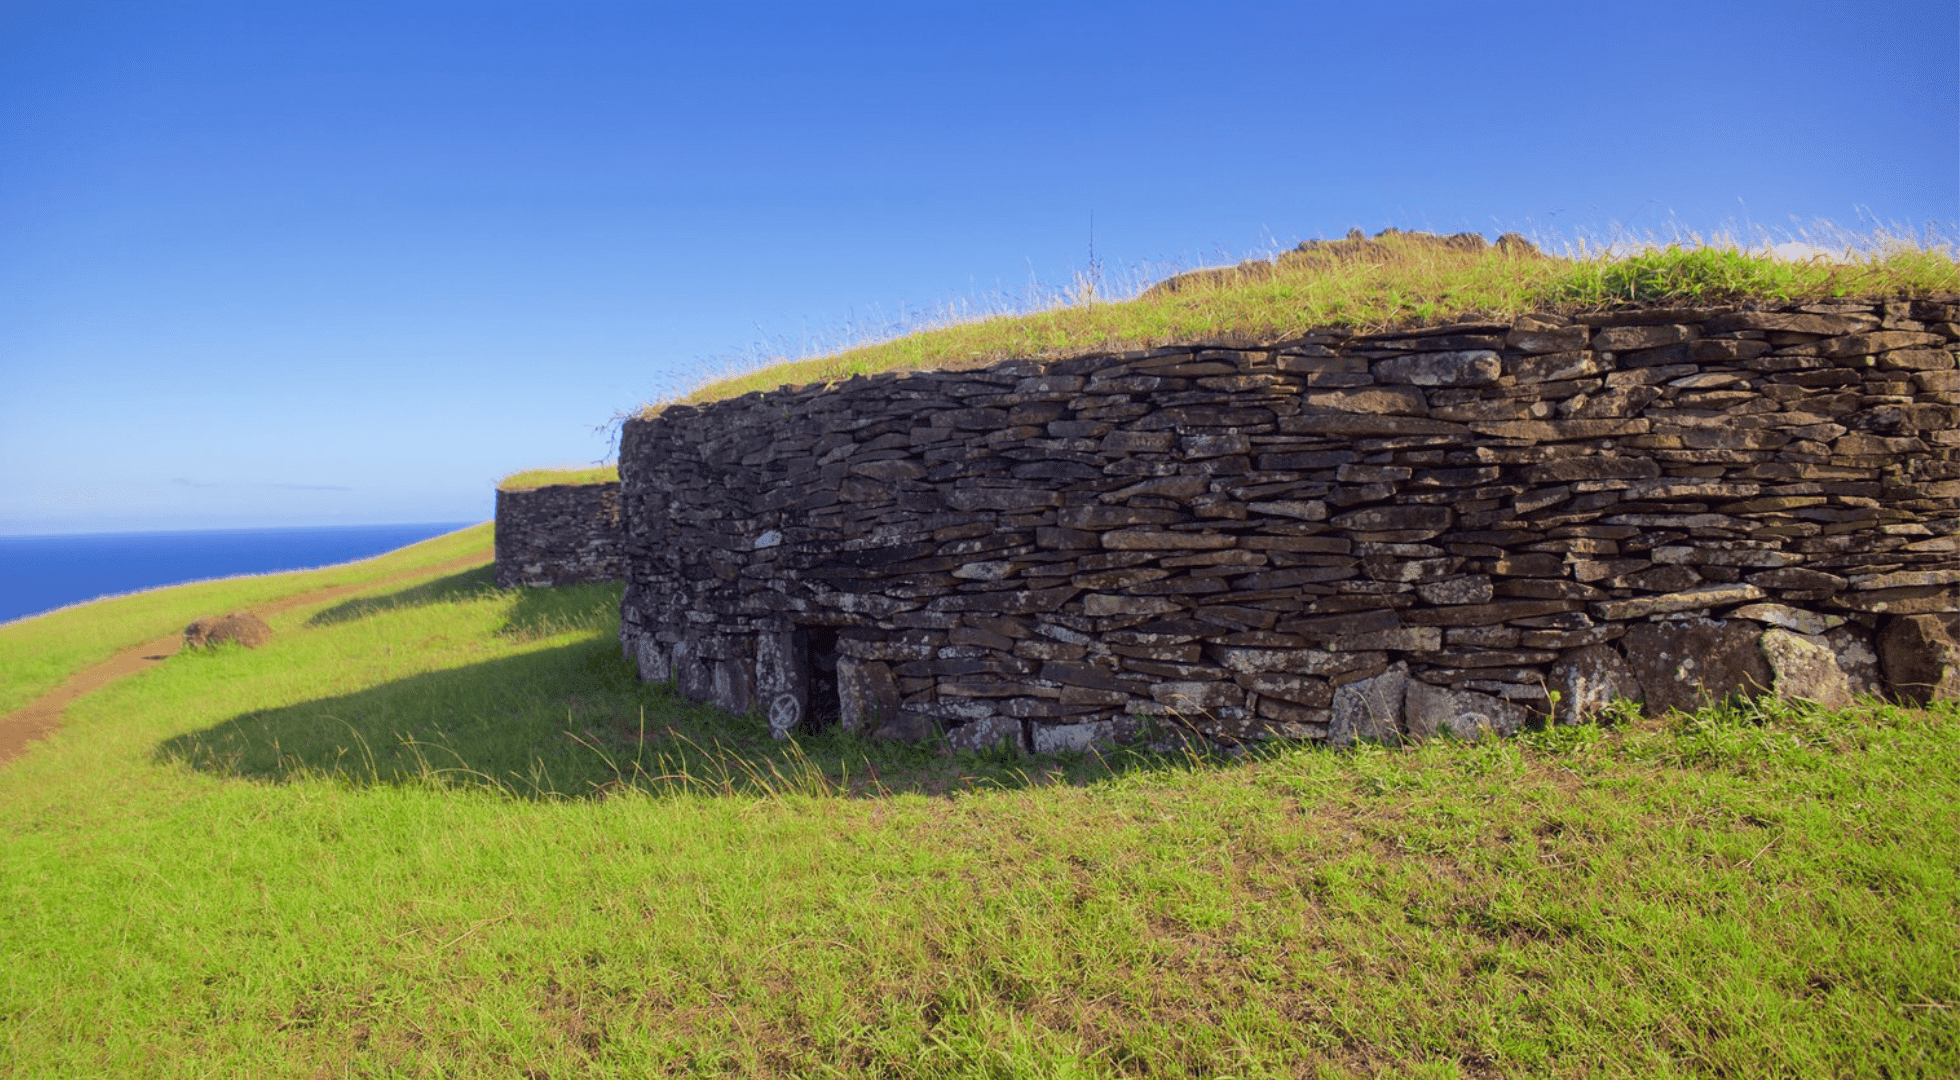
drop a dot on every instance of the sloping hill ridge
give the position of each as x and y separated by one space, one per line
1394 280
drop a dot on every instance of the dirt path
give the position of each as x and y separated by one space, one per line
40 717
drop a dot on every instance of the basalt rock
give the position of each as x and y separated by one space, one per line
1803 668
1445 531
1590 679
241 627
560 534
1429 711
1921 659
1369 710
1688 664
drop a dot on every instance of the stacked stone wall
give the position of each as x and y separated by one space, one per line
1340 537
560 534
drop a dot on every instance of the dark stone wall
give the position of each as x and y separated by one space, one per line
559 535
1341 537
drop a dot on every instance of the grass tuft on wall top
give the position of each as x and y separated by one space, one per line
532 479
1391 280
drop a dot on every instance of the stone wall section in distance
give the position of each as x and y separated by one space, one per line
559 534
1340 537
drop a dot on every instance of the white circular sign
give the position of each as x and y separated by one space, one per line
784 712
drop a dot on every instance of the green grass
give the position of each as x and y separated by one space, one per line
537 478
42 651
441 831
1712 275
1392 281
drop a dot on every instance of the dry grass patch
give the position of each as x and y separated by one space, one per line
1391 280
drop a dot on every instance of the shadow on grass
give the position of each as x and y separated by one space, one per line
442 590
573 721
537 610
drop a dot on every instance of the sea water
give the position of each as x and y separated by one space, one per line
39 573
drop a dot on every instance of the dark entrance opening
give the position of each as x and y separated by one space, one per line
818 646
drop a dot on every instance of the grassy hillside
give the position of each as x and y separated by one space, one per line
439 830
40 652
1371 283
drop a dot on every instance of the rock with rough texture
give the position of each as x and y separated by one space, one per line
693 677
1056 738
1429 711
734 686
1589 679
782 682
1474 367
1369 710
242 627
1687 664
1191 698
908 727
1787 617
1803 668
1857 658
867 695
1699 598
651 660
1921 659
986 733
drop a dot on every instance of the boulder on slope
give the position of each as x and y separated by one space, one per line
242 627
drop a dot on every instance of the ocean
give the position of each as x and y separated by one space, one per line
40 573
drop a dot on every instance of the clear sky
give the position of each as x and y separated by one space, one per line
299 262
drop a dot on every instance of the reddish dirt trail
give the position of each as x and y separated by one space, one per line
40 717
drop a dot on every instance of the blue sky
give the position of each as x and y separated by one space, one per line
330 263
